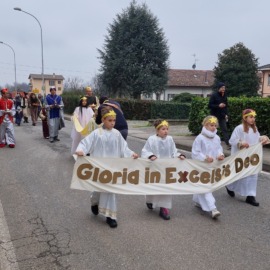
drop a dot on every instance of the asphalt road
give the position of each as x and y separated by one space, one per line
46 225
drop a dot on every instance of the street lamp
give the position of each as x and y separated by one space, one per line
1 42
42 63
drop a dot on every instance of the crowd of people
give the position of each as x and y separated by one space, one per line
26 105
100 130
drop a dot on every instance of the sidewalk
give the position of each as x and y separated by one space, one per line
182 137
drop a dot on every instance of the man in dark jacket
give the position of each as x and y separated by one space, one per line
92 100
218 105
120 121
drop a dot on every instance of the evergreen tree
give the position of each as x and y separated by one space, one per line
135 55
237 68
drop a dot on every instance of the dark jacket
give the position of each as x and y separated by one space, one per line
215 99
91 100
120 121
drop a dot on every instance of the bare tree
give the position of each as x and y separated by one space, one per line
73 84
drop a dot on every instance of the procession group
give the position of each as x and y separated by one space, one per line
100 130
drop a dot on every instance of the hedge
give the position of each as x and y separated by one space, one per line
138 109
199 110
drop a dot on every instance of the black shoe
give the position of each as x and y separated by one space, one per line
164 213
94 209
112 222
149 206
56 139
252 200
230 192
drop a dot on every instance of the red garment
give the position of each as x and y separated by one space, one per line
4 105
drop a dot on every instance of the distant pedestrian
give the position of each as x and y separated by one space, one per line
121 122
160 145
92 100
207 148
218 105
41 102
45 128
105 142
7 111
18 108
33 104
243 136
54 104
25 107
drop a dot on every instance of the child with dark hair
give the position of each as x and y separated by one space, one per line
243 136
105 141
83 123
160 145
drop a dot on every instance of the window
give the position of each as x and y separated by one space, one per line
171 96
59 88
51 83
269 79
59 82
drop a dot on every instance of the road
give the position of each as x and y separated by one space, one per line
45 225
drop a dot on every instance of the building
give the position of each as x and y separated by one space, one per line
265 80
196 82
35 83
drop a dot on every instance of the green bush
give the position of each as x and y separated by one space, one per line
71 100
199 110
169 110
137 109
183 97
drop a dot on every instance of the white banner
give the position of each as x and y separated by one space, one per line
163 176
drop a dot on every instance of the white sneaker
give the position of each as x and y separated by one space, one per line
215 213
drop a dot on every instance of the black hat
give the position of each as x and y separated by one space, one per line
220 84
102 99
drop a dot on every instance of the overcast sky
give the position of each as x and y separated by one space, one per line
73 30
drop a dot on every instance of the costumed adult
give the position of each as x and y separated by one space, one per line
120 122
25 107
54 105
83 123
34 104
92 100
218 105
7 111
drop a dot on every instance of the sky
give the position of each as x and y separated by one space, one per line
74 30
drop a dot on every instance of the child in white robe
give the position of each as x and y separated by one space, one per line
106 142
160 146
84 115
207 147
243 136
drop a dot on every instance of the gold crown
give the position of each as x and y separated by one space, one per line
83 98
252 113
110 113
212 120
163 123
